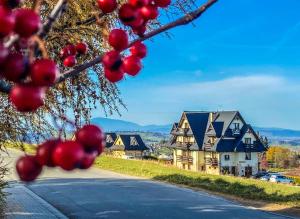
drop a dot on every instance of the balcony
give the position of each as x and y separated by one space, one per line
184 159
182 132
208 146
183 145
236 131
212 161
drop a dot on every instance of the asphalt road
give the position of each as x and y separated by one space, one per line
102 194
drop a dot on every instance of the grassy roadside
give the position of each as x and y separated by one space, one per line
235 186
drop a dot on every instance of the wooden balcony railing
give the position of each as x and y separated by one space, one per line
236 131
184 159
211 161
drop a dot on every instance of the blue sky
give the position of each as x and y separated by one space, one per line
240 55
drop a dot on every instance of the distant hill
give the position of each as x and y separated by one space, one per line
121 125
274 134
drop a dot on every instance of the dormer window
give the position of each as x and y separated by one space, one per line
236 126
109 139
133 141
248 140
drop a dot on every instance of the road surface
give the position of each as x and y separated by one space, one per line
103 194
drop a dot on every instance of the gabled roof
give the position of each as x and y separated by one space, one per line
198 124
204 124
127 141
112 136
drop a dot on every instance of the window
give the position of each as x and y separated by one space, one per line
236 126
227 157
133 141
247 140
248 156
109 139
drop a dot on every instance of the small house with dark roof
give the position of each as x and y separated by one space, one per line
110 138
216 143
128 145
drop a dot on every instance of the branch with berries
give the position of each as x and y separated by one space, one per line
30 74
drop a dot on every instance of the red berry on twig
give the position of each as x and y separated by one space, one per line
139 49
28 168
113 76
107 6
70 61
44 152
15 67
68 155
132 65
27 98
7 22
44 72
82 48
118 39
27 22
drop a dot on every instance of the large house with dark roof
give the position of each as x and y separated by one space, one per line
125 145
216 143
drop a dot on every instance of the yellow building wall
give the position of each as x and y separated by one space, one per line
118 154
212 169
134 153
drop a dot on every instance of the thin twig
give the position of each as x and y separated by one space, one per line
56 12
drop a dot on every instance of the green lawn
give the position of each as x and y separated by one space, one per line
240 187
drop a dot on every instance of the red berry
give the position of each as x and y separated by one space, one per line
28 168
3 54
70 61
139 49
162 3
127 13
107 6
90 136
138 3
69 50
44 152
140 31
137 21
44 72
27 22
72 49
15 67
113 76
88 160
149 12
112 60
82 48
118 39
27 98
132 65
68 155
7 22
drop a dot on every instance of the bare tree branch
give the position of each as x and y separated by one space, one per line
56 12
80 68
179 22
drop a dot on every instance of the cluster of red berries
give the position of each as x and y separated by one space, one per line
69 52
80 153
135 14
114 64
31 78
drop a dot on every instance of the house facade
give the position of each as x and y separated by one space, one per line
125 145
216 143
